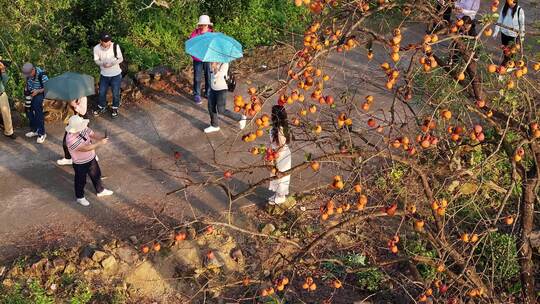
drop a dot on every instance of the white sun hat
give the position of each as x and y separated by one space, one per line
76 124
204 20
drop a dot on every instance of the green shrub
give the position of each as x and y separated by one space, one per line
418 247
370 279
59 34
498 257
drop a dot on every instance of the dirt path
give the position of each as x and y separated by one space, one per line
37 199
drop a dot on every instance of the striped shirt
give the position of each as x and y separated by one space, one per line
33 83
75 141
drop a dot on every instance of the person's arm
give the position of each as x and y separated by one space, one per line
118 54
95 137
44 79
473 10
92 147
497 27
4 75
521 19
97 58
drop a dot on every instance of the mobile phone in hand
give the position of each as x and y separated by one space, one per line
106 133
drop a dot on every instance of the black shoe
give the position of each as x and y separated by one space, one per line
12 136
114 113
99 111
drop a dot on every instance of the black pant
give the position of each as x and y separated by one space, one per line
506 41
64 146
216 104
91 169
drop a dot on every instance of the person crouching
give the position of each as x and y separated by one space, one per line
82 143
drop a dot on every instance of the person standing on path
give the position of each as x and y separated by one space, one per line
280 139
512 17
108 56
468 8
217 98
4 103
82 143
78 106
200 68
35 84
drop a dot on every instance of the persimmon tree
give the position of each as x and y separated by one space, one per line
443 165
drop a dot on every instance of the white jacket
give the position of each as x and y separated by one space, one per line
517 23
217 80
102 56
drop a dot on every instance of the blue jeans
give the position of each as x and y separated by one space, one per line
35 115
200 68
104 84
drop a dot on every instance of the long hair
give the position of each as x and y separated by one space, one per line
279 119
506 7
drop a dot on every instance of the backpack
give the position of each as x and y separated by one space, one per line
40 77
123 64
230 80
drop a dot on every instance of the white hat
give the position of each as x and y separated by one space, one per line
76 124
204 20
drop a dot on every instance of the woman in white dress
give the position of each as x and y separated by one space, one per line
280 138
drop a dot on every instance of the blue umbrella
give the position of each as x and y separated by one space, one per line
214 47
69 86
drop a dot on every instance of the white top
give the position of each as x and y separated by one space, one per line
103 56
516 22
469 8
217 80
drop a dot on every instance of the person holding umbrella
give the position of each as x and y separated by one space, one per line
201 68
73 88
219 49
82 143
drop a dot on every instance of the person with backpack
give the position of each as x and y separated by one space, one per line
78 106
218 97
512 18
108 56
35 84
280 138
200 68
82 143
4 103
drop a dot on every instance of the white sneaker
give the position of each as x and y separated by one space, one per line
64 162
242 122
31 134
211 129
83 201
41 138
105 192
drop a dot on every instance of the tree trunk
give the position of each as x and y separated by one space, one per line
525 249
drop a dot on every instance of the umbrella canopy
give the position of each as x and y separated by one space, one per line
69 86
214 47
